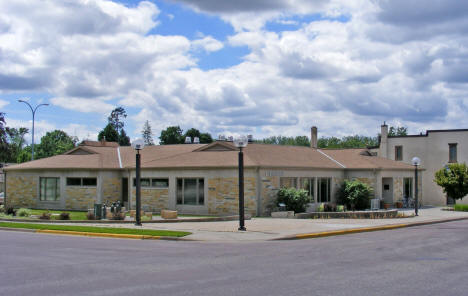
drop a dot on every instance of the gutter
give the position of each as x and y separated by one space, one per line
332 159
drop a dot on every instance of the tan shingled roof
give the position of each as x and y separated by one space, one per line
359 159
207 156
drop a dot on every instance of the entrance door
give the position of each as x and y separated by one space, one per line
125 192
387 190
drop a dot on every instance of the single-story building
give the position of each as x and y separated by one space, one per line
199 178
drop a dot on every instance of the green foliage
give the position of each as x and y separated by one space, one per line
454 180
171 135
205 138
23 212
147 134
282 140
115 118
398 131
295 199
321 207
340 208
24 155
109 133
12 141
461 207
347 142
3 137
45 216
355 195
53 143
124 140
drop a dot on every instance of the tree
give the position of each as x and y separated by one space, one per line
283 140
398 131
205 138
54 143
115 116
147 134
3 138
454 180
354 194
124 140
24 155
16 141
171 135
108 134
192 133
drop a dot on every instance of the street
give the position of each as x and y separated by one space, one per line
425 260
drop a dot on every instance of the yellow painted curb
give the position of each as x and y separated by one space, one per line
348 231
113 235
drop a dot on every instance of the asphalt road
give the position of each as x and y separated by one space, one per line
427 260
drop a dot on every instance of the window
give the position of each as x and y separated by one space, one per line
323 188
154 183
398 152
453 152
190 191
408 187
49 189
308 185
288 182
88 182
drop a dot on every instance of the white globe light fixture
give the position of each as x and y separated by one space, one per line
138 144
416 162
241 142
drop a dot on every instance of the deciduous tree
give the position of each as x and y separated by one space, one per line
454 180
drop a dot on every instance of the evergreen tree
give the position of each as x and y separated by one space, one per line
124 140
147 134
108 134
115 120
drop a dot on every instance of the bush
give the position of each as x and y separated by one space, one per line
45 216
2 208
23 212
64 216
90 216
294 199
354 195
321 208
340 208
10 211
460 207
330 207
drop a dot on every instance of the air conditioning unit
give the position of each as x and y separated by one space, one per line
196 140
188 140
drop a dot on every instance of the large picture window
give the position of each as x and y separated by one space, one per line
308 185
324 189
49 189
191 191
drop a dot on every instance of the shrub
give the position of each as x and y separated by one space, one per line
90 216
340 208
295 199
354 195
2 208
45 216
23 212
9 210
454 180
459 207
64 216
330 207
321 208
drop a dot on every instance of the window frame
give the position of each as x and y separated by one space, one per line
43 196
454 158
311 189
150 183
81 182
399 157
198 190
328 189
411 189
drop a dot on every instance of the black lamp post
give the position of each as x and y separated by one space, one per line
33 110
138 145
240 143
416 162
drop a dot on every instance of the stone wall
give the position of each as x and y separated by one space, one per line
80 198
21 191
223 196
152 199
269 190
398 189
370 182
111 189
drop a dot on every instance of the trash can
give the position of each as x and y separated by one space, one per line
98 211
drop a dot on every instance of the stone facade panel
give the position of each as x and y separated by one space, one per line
21 191
80 198
223 196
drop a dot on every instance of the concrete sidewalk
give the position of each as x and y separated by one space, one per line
261 229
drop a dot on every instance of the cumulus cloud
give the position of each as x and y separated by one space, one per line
3 103
384 62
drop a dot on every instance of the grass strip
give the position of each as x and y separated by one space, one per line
460 207
74 215
95 229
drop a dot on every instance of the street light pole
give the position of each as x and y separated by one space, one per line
138 145
33 110
241 143
416 162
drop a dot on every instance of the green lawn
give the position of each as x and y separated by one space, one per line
74 215
115 230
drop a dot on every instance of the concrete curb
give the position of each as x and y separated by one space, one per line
366 229
96 234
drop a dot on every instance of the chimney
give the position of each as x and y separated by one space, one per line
383 140
313 137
